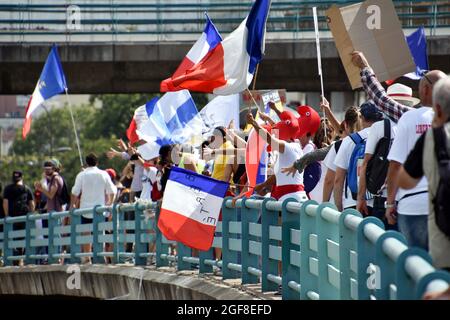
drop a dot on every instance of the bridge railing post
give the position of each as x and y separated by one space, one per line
366 256
139 246
97 247
384 274
347 256
7 251
290 272
328 254
75 248
268 266
115 233
51 238
28 251
308 256
161 248
228 255
249 259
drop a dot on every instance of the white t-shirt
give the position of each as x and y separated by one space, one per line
93 184
343 160
409 128
292 152
149 177
329 159
375 134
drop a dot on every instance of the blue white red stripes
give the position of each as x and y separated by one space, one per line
230 66
190 208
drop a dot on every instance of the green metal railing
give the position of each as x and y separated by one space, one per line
324 254
117 18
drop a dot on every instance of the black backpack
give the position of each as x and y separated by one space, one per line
64 195
378 165
441 201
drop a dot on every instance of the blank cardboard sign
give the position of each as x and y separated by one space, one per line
373 28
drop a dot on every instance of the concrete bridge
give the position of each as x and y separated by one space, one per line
139 67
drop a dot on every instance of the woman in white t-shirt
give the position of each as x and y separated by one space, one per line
280 139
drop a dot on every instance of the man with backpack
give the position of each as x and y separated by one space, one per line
430 158
375 166
349 159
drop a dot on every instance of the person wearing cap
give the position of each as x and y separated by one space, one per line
281 140
17 201
386 103
343 198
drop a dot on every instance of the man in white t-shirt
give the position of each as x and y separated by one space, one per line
343 199
412 206
376 133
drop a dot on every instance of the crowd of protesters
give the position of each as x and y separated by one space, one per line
388 158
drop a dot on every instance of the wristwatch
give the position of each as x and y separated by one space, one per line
389 205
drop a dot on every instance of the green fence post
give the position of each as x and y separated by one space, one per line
28 250
347 256
290 269
327 254
204 255
75 220
308 256
51 238
97 247
268 266
183 251
161 248
121 234
228 256
366 256
139 246
406 287
115 233
248 259
385 267
7 252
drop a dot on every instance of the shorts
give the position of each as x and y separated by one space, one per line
86 220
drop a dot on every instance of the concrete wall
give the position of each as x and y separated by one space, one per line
140 67
115 282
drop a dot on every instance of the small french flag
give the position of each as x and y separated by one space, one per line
209 39
190 208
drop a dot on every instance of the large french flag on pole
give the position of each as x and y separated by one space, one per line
171 119
51 83
209 39
190 208
230 66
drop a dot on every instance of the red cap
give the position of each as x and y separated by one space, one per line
309 121
112 173
287 127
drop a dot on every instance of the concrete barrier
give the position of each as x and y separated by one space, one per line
116 282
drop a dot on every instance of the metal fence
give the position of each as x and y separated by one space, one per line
312 251
31 20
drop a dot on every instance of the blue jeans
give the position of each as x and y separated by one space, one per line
415 229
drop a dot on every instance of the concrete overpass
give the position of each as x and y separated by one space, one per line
139 67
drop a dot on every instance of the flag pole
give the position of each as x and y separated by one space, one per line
74 127
254 101
319 66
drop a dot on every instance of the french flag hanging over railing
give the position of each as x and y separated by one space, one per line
230 66
209 39
190 208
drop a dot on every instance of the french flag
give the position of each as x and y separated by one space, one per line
171 119
255 160
209 39
51 83
190 208
230 66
